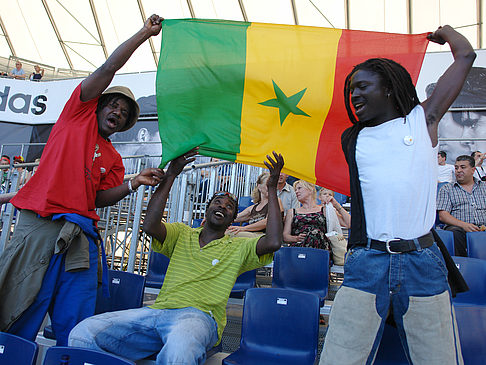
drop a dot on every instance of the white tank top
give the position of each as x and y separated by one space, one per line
397 168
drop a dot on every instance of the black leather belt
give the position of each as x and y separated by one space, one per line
398 245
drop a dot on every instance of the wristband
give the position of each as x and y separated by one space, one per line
130 188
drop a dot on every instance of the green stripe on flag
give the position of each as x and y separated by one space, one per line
200 83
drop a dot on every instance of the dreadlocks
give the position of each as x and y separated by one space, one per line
394 77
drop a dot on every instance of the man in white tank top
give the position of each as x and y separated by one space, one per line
393 266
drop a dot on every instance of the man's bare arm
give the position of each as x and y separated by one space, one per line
451 82
99 80
447 218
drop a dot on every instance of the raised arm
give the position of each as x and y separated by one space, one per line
451 82
272 240
150 176
99 80
152 223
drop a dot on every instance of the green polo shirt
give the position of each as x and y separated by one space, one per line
203 277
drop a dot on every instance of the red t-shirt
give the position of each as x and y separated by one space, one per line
76 163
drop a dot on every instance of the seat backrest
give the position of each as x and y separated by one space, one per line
57 355
126 292
16 350
471 321
476 245
282 322
474 272
302 268
448 238
244 282
243 203
157 267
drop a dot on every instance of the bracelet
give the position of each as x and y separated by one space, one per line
130 188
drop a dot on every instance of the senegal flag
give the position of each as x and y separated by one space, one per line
240 90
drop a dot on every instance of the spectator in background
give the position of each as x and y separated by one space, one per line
24 175
479 172
37 74
18 72
4 161
255 215
286 194
80 171
306 226
445 171
462 205
327 196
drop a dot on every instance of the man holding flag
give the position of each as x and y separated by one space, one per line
51 262
189 314
394 267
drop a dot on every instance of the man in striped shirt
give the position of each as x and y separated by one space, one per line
189 314
462 205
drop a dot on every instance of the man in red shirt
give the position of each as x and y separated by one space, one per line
51 263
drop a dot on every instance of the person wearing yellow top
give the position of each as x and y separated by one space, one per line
189 314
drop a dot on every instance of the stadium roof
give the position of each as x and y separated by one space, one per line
68 35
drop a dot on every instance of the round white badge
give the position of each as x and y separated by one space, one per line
408 140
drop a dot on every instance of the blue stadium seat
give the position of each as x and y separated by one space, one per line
279 326
244 282
16 350
474 272
302 268
57 355
243 203
196 222
476 245
448 238
471 321
157 267
126 292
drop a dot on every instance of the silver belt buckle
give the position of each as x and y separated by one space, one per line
387 245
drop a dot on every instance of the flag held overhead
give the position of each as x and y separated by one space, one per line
240 90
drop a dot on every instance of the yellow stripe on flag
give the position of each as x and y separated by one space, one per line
292 59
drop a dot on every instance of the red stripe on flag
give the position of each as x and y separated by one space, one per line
355 47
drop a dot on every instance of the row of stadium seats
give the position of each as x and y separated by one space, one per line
476 243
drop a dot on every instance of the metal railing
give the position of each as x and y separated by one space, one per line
127 247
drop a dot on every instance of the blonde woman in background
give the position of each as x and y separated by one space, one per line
256 214
327 196
306 226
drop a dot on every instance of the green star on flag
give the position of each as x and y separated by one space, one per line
285 105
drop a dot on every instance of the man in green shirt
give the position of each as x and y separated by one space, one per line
189 314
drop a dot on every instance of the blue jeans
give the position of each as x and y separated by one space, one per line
413 286
68 297
180 336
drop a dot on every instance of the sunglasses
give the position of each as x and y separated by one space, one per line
225 193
